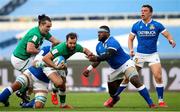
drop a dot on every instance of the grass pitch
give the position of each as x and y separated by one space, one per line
130 101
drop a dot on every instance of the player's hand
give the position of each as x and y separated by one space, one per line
131 53
86 73
173 43
92 58
87 56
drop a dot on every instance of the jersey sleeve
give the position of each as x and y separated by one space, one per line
113 45
79 48
133 30
34 39
161 28
48 36
57 51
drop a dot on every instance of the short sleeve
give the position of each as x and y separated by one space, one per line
113 44
161 28
133 30
34 39
55 52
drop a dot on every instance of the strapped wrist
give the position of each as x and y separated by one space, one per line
90 67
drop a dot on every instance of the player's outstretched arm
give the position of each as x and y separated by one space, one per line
87 52
89 68
170 38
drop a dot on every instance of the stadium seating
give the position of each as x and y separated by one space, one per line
69 7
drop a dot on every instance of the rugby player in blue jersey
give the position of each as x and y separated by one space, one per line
109 49
147 32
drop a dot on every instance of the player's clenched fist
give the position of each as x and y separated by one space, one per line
86 73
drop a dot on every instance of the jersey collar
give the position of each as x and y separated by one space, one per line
146 23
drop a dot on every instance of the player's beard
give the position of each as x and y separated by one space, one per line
103 39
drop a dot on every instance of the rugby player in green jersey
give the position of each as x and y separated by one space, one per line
65 49
29 45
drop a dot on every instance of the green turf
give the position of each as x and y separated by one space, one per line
130 101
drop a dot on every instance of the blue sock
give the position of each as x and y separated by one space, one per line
120 89
145 94
160 91
29 105
5 94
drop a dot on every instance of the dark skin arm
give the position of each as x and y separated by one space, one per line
86 72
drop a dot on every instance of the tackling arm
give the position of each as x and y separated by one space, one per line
89 68
103 57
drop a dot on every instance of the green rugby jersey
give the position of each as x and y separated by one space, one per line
33 35
62 50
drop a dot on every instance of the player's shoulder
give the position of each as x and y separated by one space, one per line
156 22
111 40
34 31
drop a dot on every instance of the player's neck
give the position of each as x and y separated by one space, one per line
147 20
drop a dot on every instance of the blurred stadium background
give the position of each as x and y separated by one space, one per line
84 17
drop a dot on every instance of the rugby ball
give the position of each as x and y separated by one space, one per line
59 60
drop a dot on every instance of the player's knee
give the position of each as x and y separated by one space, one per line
39 104
40 99
22 79
135 81
158 78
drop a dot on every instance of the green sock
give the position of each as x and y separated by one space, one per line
62 99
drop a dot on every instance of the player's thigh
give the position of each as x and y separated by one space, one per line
39 85
130 72
156 69
56 79
139 60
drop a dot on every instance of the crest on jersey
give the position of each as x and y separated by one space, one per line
152 27
54 51
34 38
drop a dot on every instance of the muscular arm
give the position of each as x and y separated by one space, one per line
31 48
48 60
167 35
87 52
130 44
54 41
89 68
107 55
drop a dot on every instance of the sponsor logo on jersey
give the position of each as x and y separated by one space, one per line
146 33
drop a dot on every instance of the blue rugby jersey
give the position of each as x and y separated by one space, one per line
116 60
147 35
